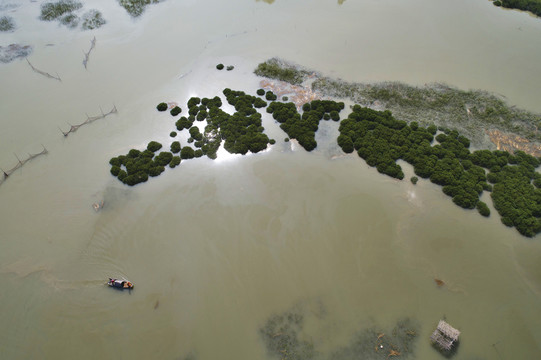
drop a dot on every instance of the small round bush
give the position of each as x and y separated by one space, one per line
270 96
190 140
115 170
497 3
220 66
260 92
154 146
198 153
174 162
286 139
161 106
326 117
230 67
483 209
175 111
272 141
187 153
173 134
175 147
285 98
133 153
334 115
414 180
115 162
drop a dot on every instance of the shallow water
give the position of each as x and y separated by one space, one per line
215 248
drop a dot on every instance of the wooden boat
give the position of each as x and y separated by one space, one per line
120 284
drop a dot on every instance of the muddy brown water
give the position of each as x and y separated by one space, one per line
216 248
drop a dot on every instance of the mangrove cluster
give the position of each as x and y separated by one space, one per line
445 159
136 7
533 6
6 23
303 127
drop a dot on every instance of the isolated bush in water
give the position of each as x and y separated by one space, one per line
54 10
161 106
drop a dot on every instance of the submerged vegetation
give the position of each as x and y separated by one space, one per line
6 23
92 19
65 12
56 10
286 337
136 7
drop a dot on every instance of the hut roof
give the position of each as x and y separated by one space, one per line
448 330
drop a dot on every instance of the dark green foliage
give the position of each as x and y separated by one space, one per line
156 170
230 67
259 103
115 170
161 106
175 147
414 180
115 162
195 134
175 161
220 66
381 140
187 153
175 111
194 101
286 140
272 141
285 98
55 10
483 209
163 158
260 92
327 117
183 123
136 7
173 134
154 146
269 95
533 6
198 153
70 20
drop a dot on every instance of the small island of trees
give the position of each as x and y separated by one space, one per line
381 140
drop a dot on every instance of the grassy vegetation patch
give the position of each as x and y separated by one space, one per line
7 23
281 70
92 19
55 10
136 8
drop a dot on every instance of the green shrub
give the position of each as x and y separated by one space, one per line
136 7
175 111
115 162
198 153
483 209
497 3
154 146
187 153
163 158
156 170
220 66
272 141
230 67
285 98
286 139
173 134
162 106
175 161
175 147
414 180
269 95
260 92
115 170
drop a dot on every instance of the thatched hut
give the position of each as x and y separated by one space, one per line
445 336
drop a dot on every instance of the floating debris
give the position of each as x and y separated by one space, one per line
74 128
98 206
439 282
445 337
46 74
